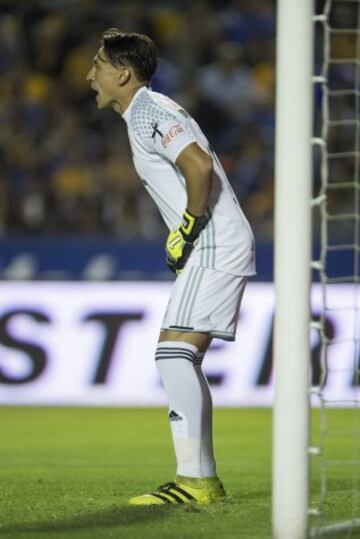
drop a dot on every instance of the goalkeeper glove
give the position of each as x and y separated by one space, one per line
180 242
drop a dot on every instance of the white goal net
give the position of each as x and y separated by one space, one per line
335 439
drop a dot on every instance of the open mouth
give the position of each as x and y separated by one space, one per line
96 92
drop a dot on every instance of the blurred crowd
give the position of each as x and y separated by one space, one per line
65 167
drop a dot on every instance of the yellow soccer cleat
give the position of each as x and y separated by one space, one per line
185 490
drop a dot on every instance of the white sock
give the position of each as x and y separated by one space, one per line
190 407
207 449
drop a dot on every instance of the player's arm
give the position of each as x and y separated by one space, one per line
175 141
196 167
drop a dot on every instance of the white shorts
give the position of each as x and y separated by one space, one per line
205 300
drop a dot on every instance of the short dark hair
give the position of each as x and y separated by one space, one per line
135 50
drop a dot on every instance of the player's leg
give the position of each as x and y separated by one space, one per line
188 390
204 303
178 358
200 340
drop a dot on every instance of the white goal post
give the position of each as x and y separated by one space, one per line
292 268
336 201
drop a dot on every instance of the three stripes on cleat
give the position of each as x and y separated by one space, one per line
172 493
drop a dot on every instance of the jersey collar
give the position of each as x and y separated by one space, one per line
127 112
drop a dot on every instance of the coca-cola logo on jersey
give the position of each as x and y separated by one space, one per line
171 134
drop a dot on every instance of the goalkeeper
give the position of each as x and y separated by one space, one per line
210 248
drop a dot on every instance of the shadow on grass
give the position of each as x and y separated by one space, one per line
112 517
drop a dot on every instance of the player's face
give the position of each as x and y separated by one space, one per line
103 78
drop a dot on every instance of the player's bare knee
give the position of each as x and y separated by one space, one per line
200 340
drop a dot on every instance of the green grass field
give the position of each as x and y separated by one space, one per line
67 473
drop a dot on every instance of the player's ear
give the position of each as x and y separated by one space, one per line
124 76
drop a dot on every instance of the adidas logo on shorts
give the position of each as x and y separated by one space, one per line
173 416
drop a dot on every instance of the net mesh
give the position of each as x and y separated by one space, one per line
335 462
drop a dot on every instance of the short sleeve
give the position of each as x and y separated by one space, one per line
170 137
159 129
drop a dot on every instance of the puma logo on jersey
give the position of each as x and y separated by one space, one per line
171 134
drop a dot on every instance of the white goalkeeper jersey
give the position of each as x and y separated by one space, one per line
159 129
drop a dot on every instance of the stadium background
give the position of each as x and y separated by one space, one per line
70 203
73 212
71 206
68 188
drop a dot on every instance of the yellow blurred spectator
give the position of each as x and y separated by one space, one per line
168 24
36 88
